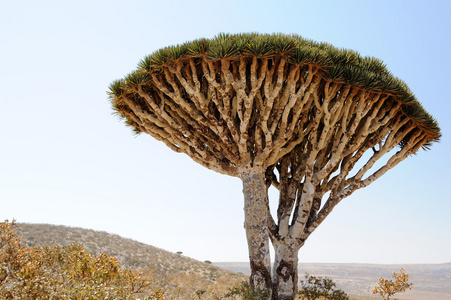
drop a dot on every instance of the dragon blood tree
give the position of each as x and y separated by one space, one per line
281 110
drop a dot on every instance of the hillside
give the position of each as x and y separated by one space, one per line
128 252
431 281
173 272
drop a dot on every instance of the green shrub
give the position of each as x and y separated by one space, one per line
244 291
320 288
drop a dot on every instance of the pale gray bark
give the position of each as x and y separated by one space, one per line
255 216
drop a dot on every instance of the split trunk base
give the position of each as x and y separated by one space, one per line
285 271
283 282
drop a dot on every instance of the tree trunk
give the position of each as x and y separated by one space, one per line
255 216
285 271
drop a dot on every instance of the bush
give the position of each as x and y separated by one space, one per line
387 287
69 272
244 291
320 288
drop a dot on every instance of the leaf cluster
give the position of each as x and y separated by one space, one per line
320 288
338 65
398 284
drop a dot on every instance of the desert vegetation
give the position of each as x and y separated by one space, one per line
386 288
44 260
142 271
40 261
47 264
64 272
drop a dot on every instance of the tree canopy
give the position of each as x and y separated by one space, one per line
338 65
198 97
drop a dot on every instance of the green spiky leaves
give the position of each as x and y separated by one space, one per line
337 65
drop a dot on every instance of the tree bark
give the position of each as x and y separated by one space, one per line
285 270
255 216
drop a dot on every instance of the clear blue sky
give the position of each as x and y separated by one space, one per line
65 159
